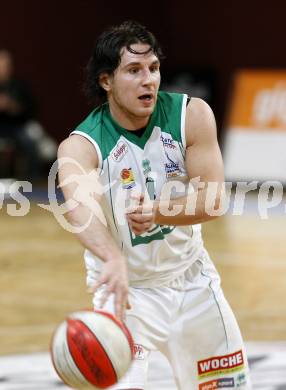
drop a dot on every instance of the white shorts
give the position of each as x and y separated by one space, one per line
191 323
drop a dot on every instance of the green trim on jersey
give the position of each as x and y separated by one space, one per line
110 195
157 233
171 107
101 127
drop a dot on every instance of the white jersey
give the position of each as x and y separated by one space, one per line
131 164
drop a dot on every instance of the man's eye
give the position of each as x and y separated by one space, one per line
134 70
154 69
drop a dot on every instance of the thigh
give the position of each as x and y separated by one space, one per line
136 376
149 316
206 350
147 321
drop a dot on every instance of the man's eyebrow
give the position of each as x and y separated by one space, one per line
136 63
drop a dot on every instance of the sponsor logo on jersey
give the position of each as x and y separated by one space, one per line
168 142
139 353
172 168
119 151
220 364
221 383
150 187
127 178
146 166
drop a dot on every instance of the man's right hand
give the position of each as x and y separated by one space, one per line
114 278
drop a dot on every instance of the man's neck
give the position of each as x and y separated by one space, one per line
127 120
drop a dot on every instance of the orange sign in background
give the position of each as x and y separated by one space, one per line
258 101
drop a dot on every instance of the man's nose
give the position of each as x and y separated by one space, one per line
147 79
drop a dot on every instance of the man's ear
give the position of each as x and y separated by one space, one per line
105 81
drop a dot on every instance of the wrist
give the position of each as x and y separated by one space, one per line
114 257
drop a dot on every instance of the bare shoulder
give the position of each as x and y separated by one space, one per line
80 149
200 122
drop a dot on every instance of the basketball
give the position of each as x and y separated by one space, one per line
91 350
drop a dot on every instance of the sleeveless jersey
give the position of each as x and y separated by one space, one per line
130 164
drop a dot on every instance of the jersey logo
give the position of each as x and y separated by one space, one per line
149 181
172 168
168 142
146 166
155 234
127 178
119 151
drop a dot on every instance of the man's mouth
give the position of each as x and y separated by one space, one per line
146 97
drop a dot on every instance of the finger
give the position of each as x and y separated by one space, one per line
139 218
134 209
134 203
105 296
139 197
131 209
136 232
139 226
147 208
98 283
121 302
128 305
144 209
119 306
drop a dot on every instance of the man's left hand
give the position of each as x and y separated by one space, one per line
141 216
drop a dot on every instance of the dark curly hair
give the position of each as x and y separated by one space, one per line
106 55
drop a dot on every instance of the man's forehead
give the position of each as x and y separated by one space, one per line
140 53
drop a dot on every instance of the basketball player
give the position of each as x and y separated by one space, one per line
152 266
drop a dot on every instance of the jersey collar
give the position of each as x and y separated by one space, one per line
139 141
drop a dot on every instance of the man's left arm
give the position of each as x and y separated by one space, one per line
205 169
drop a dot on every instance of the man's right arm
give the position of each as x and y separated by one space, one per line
82 162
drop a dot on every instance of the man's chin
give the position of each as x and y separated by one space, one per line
145 111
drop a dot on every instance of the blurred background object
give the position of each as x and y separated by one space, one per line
204 43
255 138
24 146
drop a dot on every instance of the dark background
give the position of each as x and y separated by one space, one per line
51 42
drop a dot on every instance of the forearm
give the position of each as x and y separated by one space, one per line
82 190
196 207
95 236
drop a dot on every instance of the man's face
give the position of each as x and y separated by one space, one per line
133 87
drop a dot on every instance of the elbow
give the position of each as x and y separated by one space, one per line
74 219
72 216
